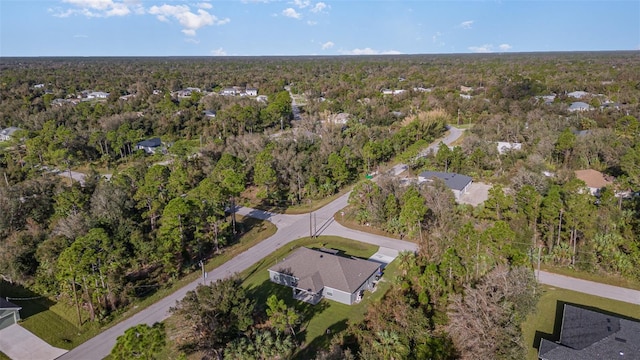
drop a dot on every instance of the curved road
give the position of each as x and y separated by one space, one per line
290 227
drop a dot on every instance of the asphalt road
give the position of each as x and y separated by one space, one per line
589 287
290 227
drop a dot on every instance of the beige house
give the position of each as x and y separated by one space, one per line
595 180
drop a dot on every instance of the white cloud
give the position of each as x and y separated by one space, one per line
466 24
327 45
302 3
98 8
190 21
292 13
436 36
91 4
312 23
486 48
319 7
205 5
369 51
218 52
504 47
192 40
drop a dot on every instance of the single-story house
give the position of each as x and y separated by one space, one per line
578 94
340 118
314 275
421 89
6 134
209 113
594 179
229 91
458 183
97 95
590 335
393 92
504 146
262 98
149 146
251 91
9 313
579 106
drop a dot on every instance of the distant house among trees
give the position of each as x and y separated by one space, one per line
458 183
595 180
97 95
579 106
7 134
150 146
504 147
314 274
588 334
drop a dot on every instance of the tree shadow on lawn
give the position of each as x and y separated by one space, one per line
261 293
32 303
321 342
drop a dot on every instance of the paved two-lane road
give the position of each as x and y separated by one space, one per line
589 287
290 227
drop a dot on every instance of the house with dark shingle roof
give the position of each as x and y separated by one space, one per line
591 335
314 275
458 183
150 146
9 313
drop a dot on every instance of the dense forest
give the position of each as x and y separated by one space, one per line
146 219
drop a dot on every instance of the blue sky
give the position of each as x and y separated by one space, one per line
310 27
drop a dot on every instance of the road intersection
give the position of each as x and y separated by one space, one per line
290 228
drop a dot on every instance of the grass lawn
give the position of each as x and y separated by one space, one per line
57 323
547 319
327 314
3 356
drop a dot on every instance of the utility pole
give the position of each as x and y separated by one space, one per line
310 226
539 256
204 274
315 226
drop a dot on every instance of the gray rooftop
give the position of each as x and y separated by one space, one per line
588 334
154 142
452 180
9 131
315 270
5 305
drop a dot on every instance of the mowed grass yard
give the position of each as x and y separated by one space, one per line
547 319
57 322
316 319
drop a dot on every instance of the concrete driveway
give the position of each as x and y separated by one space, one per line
19 344
384 256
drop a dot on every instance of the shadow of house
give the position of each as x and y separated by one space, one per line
587 334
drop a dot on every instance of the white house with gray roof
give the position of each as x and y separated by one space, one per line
6 134
314 275
458 183
9 313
